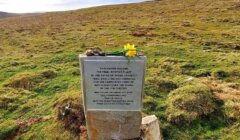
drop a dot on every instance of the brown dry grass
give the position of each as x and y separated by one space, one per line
230 96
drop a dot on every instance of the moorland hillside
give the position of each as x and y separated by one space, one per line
5 15
193 73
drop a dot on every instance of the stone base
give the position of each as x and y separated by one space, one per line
113 125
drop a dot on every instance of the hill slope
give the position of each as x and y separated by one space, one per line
4 14
192 81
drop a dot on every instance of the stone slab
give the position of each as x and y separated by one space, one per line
112 83
110 125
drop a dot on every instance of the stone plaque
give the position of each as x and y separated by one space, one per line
113 83
112 91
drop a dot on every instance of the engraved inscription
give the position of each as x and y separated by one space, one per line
113 84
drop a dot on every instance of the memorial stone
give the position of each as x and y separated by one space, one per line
112 92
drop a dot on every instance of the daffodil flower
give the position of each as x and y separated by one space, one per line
130 50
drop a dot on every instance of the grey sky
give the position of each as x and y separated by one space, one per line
25 6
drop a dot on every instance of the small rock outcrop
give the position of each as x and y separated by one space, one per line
150 128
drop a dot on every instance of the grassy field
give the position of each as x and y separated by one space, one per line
193 72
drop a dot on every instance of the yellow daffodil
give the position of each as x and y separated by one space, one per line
130 50
129 47
131 53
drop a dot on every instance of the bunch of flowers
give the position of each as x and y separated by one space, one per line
128 51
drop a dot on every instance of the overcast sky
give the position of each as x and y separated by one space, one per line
25 6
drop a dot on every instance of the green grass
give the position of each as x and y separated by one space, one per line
186 42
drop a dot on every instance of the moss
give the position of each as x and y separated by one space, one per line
150 103
234 74
190 103
51 129
28 80
33 81
201 73
8 129
64 58
10 98
155 86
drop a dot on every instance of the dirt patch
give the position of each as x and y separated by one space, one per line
27 123
49 74
187 24
235 46
72 115
176 35
143 32
1 50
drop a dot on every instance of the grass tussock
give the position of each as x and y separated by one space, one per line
189 103
11 98
27 81
156 86
7 128
229 94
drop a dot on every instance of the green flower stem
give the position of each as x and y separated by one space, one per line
117 53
